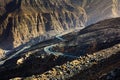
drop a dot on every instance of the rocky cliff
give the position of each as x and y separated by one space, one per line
22 20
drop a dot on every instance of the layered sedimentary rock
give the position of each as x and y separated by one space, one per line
21 20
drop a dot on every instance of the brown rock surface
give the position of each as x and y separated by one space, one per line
1 52
89 67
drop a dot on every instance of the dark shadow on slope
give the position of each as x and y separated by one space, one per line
10 7
7 36
32 66
93 73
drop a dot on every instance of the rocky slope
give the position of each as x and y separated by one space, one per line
96 66
22 20
95 53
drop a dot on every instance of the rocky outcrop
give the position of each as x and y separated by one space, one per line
1 53
89 67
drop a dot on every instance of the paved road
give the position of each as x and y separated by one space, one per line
48 49
48 45
14 55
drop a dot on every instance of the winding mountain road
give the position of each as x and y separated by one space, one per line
47 48
13 55
16 52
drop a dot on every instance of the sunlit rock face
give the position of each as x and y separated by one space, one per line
22 20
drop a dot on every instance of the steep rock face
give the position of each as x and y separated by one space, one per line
21 20
25 19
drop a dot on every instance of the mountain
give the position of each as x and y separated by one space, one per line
23 20
59 39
